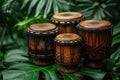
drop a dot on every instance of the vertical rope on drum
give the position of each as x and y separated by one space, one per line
72 54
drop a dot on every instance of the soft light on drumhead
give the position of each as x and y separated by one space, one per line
67 15
67 37
42 27
94 24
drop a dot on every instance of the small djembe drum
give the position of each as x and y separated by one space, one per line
97 39
41 43
68 51
66 21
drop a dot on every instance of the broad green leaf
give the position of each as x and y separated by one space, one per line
40 6
15 58
95 74
24 22
86 1
32 4
55 6
116 29
115 55
117 65
16 52
102 13
64 2
13 75
70 77
84 5
50 73
116 39
24 3
24 66
20 75
87 9
106 12
48 8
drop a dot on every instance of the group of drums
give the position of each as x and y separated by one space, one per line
68 39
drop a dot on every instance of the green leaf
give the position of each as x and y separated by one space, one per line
70 77
106 12
95 74
16 52
24 66
116 39
20 75
116 29
40 6
115 55
48 8
55 6
24 3
47 76
32 4
16 58
102 12
85 1
51 73
24 22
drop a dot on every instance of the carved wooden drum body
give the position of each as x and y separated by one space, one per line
68 51
66 21
97 39
41 43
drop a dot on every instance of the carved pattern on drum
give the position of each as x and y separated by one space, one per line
96 45
40 46
67 29
67 55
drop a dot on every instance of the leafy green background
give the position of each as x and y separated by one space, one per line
17 15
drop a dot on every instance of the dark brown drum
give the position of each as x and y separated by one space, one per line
41 43
68 51
97 39
66 21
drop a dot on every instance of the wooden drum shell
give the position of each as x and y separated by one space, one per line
68 55
68 52
41 46
66 21
96 43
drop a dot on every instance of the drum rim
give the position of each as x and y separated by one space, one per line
94 29
67 21
71 42
43 33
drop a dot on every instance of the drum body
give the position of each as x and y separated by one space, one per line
41 43
66 21
97 39
68 51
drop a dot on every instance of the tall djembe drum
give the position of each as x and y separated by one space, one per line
41 43
97 39
68 51
66 21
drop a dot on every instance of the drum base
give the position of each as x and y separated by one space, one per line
94 65
43 62
69 69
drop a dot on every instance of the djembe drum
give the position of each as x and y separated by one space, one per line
66 21
68 51
97 39
41 43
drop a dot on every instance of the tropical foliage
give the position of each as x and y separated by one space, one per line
17 15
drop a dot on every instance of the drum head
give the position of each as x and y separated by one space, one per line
41 27
67 37
95 24
67 17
